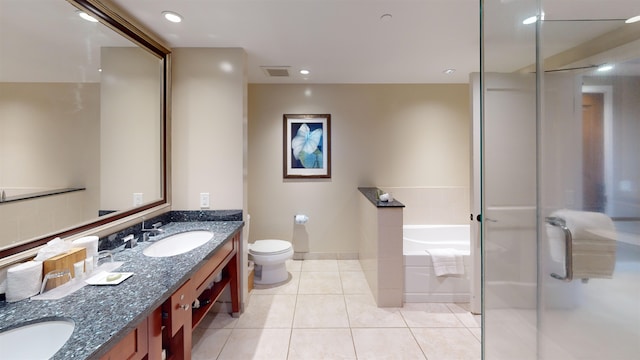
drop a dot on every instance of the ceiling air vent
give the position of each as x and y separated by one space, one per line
276 71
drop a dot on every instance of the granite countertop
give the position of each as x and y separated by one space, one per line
103 315
371 193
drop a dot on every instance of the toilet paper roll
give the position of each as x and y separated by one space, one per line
23 280
301 219
88 242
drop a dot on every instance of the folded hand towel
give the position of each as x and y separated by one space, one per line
446 261
594 243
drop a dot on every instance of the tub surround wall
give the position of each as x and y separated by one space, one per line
433 205
380 247
422 284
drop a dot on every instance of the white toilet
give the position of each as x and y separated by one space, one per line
270 256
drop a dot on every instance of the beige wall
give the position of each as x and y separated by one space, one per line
130 133
391 136
207 127
49 139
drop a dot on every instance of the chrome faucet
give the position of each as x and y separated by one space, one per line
154 230
129 242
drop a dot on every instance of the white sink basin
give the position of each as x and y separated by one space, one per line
178 244
39 340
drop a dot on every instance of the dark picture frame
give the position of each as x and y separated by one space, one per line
307 146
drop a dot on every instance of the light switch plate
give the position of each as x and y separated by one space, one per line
137 199
204 200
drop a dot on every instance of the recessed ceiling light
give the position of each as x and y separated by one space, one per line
305 72
631 20
449 71
86 16
226 67
172 16
605 67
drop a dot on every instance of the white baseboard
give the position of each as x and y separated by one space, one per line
325 256
436 298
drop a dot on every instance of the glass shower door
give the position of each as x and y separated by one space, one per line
589 186
509 186
560 180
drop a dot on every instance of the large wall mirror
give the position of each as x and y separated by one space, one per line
82 120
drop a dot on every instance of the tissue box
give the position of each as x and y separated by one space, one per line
61 262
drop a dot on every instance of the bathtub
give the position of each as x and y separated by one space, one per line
420 281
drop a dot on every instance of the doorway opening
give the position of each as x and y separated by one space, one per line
597 161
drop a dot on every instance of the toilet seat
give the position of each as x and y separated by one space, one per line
270 247
270 257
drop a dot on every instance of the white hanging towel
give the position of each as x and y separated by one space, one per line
446 261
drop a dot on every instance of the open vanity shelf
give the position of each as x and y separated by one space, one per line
179 318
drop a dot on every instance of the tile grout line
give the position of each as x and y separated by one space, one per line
340 271
413 335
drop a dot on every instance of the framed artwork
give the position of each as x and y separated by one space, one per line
307 146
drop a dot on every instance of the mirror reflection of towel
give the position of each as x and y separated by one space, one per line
446 261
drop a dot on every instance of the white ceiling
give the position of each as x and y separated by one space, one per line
342 41
339 41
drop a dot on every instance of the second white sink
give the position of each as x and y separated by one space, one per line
178 244
36 340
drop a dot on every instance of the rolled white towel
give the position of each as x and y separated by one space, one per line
585 225
88 242
446 261
23 280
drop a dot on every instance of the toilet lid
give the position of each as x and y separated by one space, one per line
273 247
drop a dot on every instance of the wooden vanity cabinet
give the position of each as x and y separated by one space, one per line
134 346
177 322
154 322
179 318
144 342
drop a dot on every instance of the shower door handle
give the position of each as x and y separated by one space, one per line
480 218
568 248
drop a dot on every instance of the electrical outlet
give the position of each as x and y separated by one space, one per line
137 199
204 200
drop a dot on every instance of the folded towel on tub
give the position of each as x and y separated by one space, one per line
446 261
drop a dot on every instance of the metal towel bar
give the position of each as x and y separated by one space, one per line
568 252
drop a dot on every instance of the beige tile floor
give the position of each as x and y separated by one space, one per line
326 311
